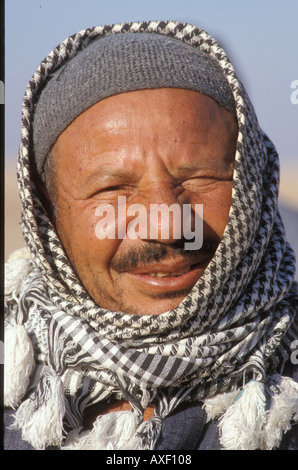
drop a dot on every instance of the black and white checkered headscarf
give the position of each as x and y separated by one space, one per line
232 332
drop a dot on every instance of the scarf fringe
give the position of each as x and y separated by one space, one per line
112 431
17 268
241 425
146 436
18 364
284 410
40 416
217 405
245 423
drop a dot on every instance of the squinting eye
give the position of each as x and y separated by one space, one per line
204 183
201 181
113 191
112 188
207 179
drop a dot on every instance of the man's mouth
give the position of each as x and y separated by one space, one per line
168 278
158 271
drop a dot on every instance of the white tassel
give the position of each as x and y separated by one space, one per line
40 417
146 436
110 431
18 364
241 425
217 405
283 411
17 268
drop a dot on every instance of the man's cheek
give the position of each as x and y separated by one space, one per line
105 225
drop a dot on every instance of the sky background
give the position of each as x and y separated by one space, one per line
260 37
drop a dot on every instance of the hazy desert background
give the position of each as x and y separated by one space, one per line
13 233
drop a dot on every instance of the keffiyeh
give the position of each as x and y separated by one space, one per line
225 345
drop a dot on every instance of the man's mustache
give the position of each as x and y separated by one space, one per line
154 252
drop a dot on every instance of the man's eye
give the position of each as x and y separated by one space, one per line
209 183
201 180
112 188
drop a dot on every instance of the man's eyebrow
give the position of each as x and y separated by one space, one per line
106 174
223 165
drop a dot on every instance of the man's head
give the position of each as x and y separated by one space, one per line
168 138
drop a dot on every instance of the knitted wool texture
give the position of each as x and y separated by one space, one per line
232 333
119 63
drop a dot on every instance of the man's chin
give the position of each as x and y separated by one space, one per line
154 304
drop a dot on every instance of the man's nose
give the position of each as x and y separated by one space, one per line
164 213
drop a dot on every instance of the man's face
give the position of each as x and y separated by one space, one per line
165 146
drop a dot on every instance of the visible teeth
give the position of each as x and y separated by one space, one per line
159 274
167 274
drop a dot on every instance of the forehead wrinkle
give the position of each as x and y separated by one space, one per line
205 164
112 174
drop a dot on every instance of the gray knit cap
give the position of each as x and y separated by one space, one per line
119 63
